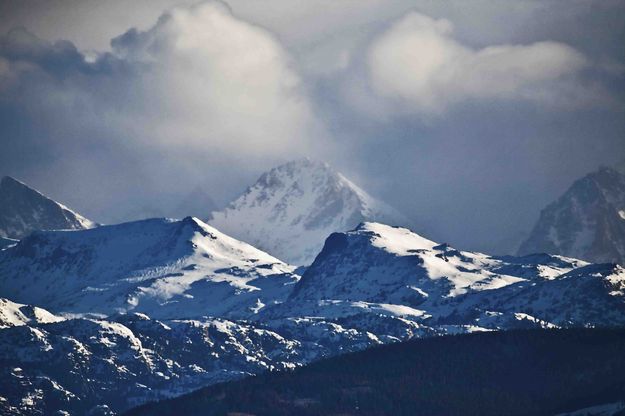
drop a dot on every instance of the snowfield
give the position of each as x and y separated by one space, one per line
164 268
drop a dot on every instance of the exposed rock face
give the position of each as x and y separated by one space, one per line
587 222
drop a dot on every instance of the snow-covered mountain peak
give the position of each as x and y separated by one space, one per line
10 182
23 210
376 269
376 262
397 240
292 208
163 267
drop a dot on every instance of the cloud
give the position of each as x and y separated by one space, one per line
418 63
199 78
205 96
199 92
217 81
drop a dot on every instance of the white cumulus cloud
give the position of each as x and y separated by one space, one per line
418 63
211 79
201 91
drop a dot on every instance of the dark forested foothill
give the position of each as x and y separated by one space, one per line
525 372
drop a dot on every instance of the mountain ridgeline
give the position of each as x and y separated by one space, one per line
98 320
164 268
109 318
587 222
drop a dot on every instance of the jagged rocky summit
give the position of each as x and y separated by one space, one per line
292 208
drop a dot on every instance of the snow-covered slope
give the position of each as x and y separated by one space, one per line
165 268
592 295
214 308
587 222
292 208
98 367
378 268
16 314
23 210
379 263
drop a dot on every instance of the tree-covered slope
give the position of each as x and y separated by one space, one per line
526 372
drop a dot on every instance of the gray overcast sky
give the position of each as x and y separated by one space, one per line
469 116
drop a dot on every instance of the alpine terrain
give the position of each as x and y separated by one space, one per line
587 222
161 267
227 269
98 321
23 210
292 208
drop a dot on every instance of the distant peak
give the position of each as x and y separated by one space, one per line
292 208
24 210
585 222
302 160
295 170
372 226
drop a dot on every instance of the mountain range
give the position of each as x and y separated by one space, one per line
99 319
104 319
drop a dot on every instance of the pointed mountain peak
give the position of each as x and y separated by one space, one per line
24 209
292 208
193 221
603 174
586 222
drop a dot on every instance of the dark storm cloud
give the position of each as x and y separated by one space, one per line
468 146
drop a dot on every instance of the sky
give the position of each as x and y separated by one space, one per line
468 116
